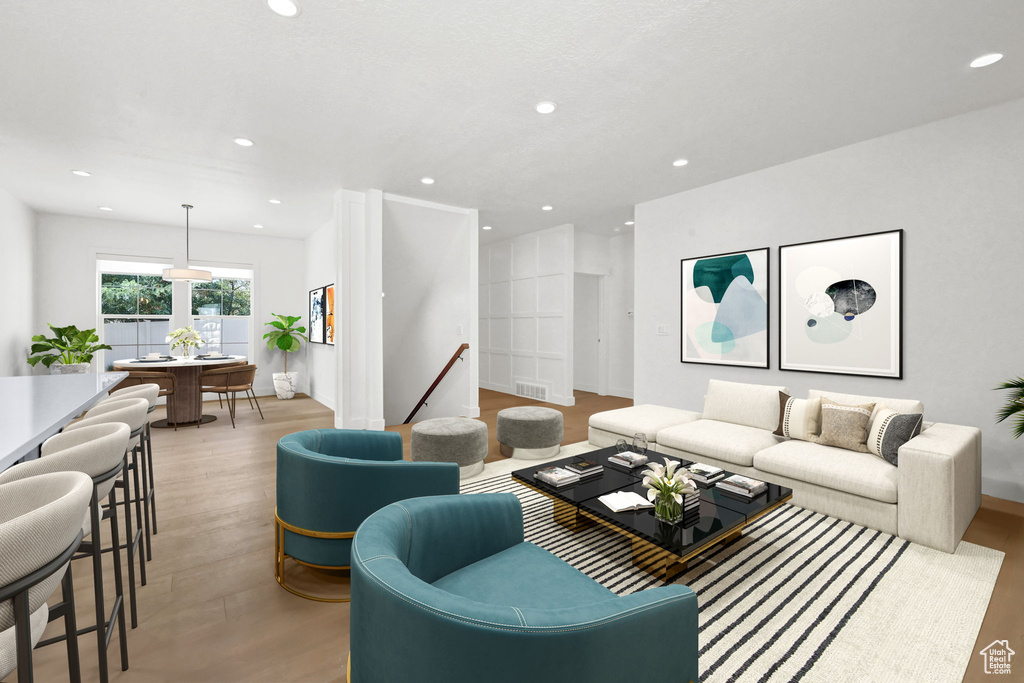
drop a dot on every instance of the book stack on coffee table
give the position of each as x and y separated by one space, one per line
744 488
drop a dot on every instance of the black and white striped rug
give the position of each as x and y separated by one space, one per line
801 596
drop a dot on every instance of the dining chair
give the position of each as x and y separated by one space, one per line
99 452
227 382
132 412
40 530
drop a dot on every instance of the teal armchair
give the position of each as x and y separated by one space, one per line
330 480
445 589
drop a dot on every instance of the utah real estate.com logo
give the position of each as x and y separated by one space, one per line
997 657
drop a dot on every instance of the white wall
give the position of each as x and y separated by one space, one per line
429 256
321 359
66 273
957 189
17 282
526 317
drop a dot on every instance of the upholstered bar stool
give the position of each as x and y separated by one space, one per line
132 412
99 452
151 392
166 381
40 529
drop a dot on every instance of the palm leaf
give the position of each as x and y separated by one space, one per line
1014 407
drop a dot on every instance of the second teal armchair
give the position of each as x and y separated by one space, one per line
444 589
330 480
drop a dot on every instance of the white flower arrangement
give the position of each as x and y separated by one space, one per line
184 337
666 486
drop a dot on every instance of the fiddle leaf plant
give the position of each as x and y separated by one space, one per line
68 346
285 335
1014 405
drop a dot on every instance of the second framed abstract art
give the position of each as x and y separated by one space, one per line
724 316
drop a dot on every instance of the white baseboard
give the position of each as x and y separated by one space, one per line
592 388
375 425
621 393
324 400
563 400
503 388
471 411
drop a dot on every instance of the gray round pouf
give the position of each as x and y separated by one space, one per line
530 432
451 439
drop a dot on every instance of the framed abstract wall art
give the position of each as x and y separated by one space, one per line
316 315
724 309
329 314
841 305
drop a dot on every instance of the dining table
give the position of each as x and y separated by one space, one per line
35 407
187 406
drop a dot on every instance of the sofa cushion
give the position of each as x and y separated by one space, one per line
725 441
845 426
648 419
524 575
900 405
753 405
889 431
861 474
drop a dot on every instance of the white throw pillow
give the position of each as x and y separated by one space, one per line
798 418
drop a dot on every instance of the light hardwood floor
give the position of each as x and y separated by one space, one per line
212 610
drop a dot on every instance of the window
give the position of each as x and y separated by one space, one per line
135 309
221 311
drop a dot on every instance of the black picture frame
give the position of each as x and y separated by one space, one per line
896 301
316 329
764 364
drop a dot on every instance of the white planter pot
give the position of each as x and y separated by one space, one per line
285 383
74 369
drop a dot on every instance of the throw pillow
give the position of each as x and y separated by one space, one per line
890 430
845 426
798 418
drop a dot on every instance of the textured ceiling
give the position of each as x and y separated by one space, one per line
378 93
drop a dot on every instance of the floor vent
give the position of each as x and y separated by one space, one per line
538 392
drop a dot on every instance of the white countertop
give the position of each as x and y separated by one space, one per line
34 408
178 362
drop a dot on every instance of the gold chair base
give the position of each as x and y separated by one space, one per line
280 526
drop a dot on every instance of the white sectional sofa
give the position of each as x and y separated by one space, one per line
929 498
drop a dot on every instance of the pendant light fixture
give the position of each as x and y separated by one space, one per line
187 274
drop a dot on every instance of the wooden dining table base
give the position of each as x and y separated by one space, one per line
186 408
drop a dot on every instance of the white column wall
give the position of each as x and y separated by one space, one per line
321 269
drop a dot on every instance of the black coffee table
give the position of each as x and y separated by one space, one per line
658 548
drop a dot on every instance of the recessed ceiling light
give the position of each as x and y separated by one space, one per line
629 223
986 60
258 226
545 107
244 142
486 227
104 208
286 8
84 174
427 181
274 201
546 208
680 162
617 230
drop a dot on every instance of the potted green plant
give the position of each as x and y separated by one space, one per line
1014 405
285 336
68 352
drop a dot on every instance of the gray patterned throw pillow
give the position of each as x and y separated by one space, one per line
890 430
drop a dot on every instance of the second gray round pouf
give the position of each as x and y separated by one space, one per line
451 439
530 432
